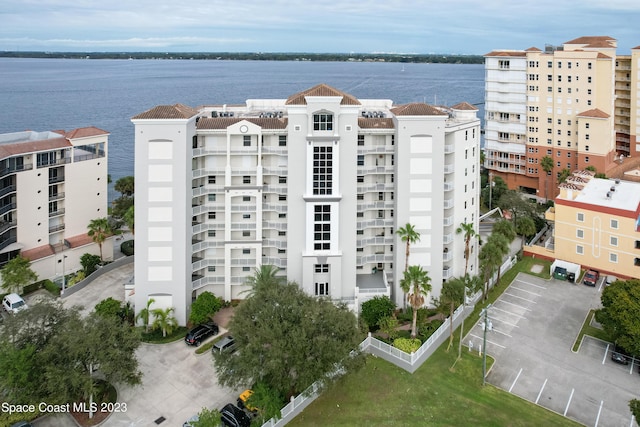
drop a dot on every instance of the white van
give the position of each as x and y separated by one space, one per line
13 303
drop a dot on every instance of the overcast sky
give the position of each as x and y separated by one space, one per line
393 26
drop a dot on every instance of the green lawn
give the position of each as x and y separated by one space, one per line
381 394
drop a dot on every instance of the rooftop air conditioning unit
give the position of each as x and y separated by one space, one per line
608 194
613 189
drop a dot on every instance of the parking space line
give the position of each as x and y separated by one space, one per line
493 307
524 290
632 420
500 332
605 354
531 284
601 285
491 342
599 410
542 388
516 296
569 402
514 381
510 303
506 323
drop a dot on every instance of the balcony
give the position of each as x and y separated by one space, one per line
447 256
449 169
447 238
56 196
447 273
375 187
448 221
449 148
448 203
56 228
56 179
58 212
56 162
378 240
5 225
14 169
8 189
375 258
6 208
382 149
448 186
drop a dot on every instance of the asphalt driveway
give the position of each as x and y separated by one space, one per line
176 382
534 324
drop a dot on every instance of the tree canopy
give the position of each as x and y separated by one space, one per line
204 307
125 185
288 339
17 273
99 230
620 314
416 283
52 354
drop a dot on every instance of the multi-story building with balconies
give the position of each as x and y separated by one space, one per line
52 184
571 103
316 184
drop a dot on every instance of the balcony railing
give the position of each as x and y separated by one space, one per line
7 171
56 196
6 208
56 228
56 213
8 189
5 225
54 179
56 162
449 169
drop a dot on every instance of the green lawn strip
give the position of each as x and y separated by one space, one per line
383 394
587 329
155 336
207 346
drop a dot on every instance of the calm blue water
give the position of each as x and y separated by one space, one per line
48 94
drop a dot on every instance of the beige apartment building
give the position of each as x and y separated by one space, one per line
52 184
596 223
576 103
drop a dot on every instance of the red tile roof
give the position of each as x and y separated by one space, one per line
79 240
533 49
321 90
37 253
86 132
225 122
594 41
375 123
464 106
417 109
596 113
31 146
167 112
507 53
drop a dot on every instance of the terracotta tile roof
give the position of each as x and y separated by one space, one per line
571 186
30 146
377 123
603 56
176 111
594 41
507 53
79 240
464 106
85 132
321 90
417 109
584 173
37 253
533 49
225 122
637 47
596 113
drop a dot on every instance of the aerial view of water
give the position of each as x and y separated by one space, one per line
50 94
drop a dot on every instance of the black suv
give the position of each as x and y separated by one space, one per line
200 333
232 416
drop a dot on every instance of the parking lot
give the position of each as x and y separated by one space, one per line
532 328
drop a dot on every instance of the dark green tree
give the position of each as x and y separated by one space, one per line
207 418
129 219
564 174
634 406
416 284
497 190
99 230
17 273
204 307
469 233
505 227
526 227
267 400
288 339
125 186
490 258
375 309
620 314
451 296
163 319
547 165
89 263
121 205
409 235
109 307
513 202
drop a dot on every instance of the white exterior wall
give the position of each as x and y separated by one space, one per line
405 164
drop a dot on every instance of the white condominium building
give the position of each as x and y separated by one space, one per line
316 184
52 184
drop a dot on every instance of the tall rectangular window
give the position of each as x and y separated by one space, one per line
246 140
322 228
282 140
323 121
322 289
360 140
322 170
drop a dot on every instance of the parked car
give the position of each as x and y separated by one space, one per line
610 279
591 278
13 303
242 400
200 333
190 422
619 358
560 273
232 416
225 345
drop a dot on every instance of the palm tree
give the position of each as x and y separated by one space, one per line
525 227
501 244
547 165
490 258
469 233
506 228
145 313
416 284
164 319
408 234
263 276
452 295
129 218
99 230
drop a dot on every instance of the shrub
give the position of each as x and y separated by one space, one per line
204 307
428 329
89 263
388 325
51 287
109 307
407 345
79 277
375 309
127 247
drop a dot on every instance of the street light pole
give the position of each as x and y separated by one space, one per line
63 275
485 312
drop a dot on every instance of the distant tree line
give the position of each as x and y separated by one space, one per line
255 56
